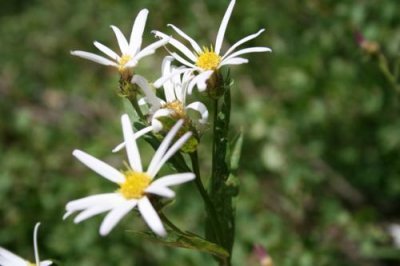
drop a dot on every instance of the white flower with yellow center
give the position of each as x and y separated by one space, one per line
176 84
134 185
206 60
131 51
8 258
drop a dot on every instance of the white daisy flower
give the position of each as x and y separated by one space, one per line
176 84
135 184
8 258
131 51
394 231
206 60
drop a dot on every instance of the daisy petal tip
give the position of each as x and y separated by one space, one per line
125 118
191 177
144 11
76 152
161 232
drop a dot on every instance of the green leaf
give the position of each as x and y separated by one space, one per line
185 240
236 149
130 110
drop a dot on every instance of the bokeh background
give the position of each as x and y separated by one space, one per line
320 169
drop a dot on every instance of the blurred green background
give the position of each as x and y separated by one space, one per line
320 171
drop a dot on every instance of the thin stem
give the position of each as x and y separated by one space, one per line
207 201
136 106
213 166
169 223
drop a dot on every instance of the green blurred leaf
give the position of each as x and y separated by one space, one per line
186 240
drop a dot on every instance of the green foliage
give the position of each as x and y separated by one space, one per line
319 170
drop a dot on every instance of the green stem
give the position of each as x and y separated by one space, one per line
384 66
169 223
136 106
212 213
213 166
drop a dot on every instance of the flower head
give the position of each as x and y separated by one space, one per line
205 61
134 185
130 52
176 84
8 258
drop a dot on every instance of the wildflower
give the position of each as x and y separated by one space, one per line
8 258
131 51
394 231
369 47
207 60
135 185
176 86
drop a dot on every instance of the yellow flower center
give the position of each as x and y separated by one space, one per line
31 264
177 107
208 59
134 185
122 62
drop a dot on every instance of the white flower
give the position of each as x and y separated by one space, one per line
394 231
8 258
207 60
131 52
176 84
135 184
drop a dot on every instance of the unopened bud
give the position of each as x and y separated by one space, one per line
370 47
262 256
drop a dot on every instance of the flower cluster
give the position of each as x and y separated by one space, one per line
168 114
196 68
172 120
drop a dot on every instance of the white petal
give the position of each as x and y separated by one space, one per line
234 61
150 95
200 81
122 42
160 191
67 214
150 49
94 57
184 61
138 134
162 149
178 45
160 82
135 40
249 50
35 246
157 125
240 42
174 148
166 70
93 200
151 217
130 142
172 180
10 257
93 211
201 109
99 167
194 44
107 51
115 215
222 27
131 63
45 263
